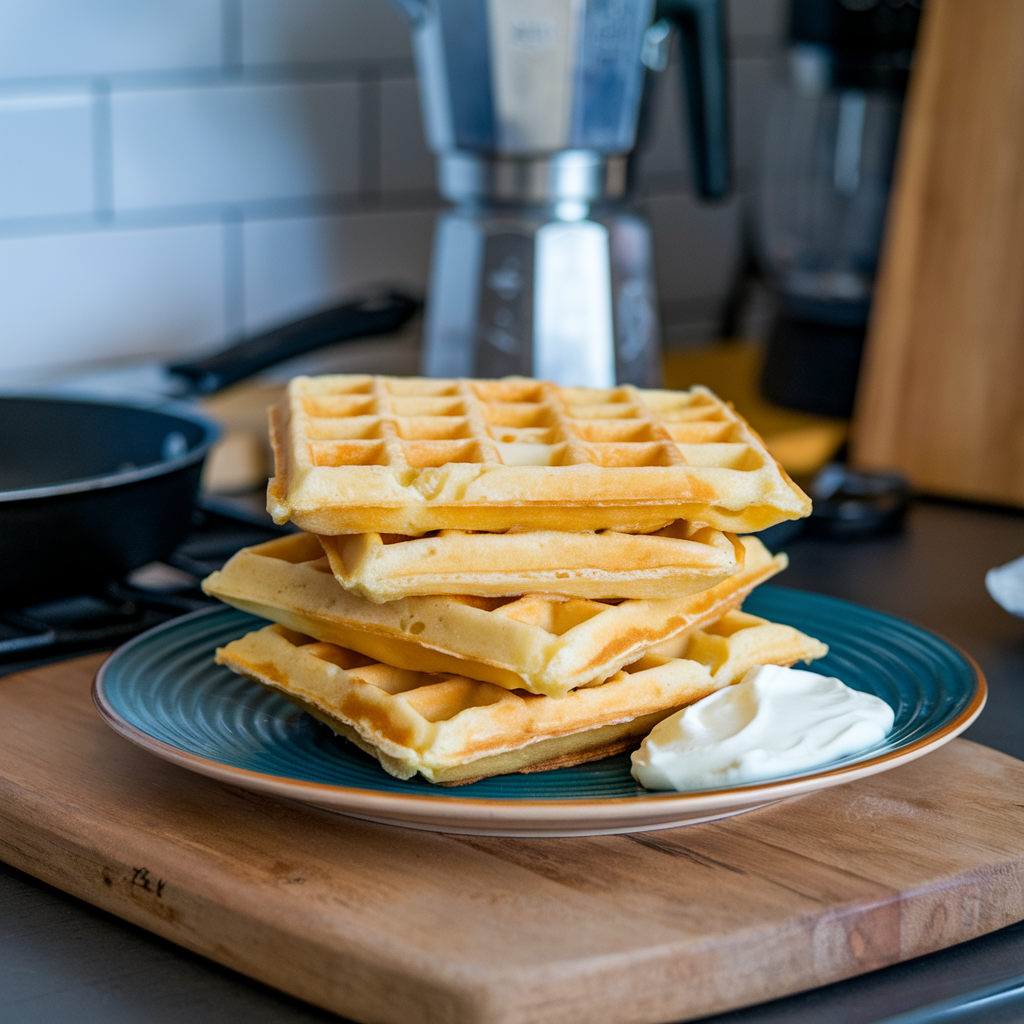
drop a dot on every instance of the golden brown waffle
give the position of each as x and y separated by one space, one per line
362 454
682 559
540 643
454 730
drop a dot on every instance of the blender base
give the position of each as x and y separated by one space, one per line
813 367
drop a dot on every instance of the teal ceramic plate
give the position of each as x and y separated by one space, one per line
163 691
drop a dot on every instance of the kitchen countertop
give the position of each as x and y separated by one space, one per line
61 959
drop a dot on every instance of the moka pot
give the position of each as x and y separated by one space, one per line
531 107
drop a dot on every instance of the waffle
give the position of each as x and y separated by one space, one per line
361 454
454 730
682 559
539 643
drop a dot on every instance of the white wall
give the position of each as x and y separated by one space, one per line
174 172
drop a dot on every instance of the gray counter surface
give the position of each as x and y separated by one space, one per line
62 960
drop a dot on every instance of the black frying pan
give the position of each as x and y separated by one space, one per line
90 490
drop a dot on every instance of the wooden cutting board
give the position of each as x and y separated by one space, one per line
386 924
941 394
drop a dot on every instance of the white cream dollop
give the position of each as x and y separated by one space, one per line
774 722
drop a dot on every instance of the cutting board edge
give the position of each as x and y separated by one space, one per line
115 885
136 895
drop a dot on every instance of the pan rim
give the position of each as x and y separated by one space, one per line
212 432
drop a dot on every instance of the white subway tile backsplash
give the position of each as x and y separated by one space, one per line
300 31
87 37
406 161
299 265
46 155
68 300
296 101
234 144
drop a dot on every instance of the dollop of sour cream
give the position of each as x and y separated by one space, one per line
775 721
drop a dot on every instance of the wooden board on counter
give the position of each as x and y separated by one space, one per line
385 924
940 394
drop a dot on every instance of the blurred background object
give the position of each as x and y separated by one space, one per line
941 397
531 107
813 227
849 504
830 145
801 441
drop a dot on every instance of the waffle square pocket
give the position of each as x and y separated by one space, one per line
358 454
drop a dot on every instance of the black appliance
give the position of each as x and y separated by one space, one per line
824 185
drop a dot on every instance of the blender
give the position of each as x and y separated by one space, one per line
531 107
830 146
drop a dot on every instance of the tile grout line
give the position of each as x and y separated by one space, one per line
232 65
102 152
404 201
234 273
417 200
232 62
213 76
369 136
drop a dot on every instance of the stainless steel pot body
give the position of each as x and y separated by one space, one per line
530 77
565 300
531 107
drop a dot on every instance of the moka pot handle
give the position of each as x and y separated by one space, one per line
701 25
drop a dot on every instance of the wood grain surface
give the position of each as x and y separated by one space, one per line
940 394
384 924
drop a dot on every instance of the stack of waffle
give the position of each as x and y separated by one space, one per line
505 576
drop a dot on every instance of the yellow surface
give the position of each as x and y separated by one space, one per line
801 442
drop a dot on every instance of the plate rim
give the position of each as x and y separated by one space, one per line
430 806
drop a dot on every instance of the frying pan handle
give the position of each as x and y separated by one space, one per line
379 314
